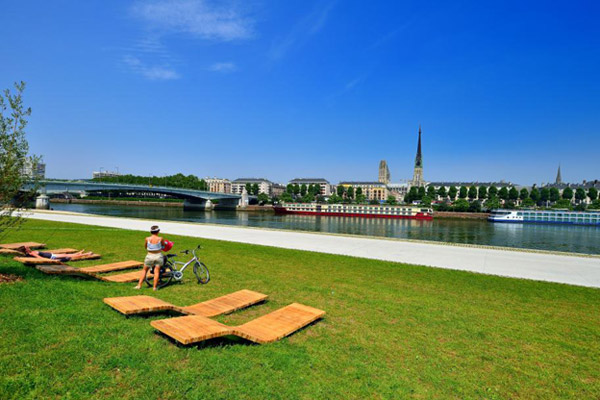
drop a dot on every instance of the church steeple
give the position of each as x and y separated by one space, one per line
418 173
558 177
419 158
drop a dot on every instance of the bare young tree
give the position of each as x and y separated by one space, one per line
13 155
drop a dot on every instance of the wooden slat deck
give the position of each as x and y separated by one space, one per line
31 245
15 252
118 266
229 303
37 261
62 270
191 328
279 323
10 252
137 304
123 278
265 329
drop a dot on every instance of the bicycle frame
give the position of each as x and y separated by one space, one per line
178 272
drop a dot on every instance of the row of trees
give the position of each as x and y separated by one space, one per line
533 197
177 180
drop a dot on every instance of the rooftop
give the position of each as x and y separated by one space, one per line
251 180
309 180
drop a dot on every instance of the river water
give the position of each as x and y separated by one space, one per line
577 239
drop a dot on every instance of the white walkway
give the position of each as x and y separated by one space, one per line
575 270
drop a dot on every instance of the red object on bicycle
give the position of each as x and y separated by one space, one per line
167 246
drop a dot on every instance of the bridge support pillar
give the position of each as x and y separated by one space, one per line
197 205
42 202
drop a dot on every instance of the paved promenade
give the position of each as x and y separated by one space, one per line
575 270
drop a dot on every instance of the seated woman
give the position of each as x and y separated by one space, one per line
54 256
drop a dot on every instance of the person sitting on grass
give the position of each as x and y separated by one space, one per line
154 259
55 256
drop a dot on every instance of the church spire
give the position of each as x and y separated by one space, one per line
419 158
558 177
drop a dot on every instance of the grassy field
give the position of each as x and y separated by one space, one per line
391 330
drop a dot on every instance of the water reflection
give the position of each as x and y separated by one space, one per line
580 239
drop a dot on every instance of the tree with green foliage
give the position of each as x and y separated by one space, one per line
421 192
361 198
460 205
289 188
492 191
563 203
592 193
528 202
595 205
535 195
442 192
431 192
286 197
340 191
463 192
296 189
14 150
303 189
249 188
503 193
475 206
412 195
554 195
545 195
391 200
580 194
350 192
373 202
452 193
255 189
426 201
567 193
263 198
472 193
334 199
524 194
492 203
482 193
513 194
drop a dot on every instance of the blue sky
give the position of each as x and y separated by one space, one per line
286 89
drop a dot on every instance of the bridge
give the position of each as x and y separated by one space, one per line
193 199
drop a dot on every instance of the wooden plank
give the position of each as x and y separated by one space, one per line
268 328
62 270
62 251
15 252
37 261
10 252
118 266
123 278
279 323
129 305
191 328
225 304
31 245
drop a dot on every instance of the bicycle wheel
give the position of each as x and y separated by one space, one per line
165 277
201 272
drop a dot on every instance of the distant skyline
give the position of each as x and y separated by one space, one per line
322 88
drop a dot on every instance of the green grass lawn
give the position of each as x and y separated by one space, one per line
391 330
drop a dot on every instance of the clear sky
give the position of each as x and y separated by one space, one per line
305 88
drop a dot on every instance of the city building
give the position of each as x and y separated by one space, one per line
322 183
218 185
418 171
398 190
384 172
277 189
104 174
371 190
34 170
264 185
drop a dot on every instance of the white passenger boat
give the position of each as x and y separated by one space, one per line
546 217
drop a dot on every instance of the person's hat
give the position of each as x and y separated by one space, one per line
154 229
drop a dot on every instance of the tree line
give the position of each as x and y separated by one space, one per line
177 180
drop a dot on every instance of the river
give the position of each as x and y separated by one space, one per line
576 239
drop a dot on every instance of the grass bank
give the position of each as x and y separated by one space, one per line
391 330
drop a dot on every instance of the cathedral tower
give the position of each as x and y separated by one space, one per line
418 173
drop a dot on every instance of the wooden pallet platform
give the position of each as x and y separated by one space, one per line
62 270
268 328
279 324
37 261
14 246
229 303
118 266
124 278
16 252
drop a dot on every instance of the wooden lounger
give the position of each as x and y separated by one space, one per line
14 246
47 261
265 329
94 271
229 303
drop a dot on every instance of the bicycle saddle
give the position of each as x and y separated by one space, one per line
170 255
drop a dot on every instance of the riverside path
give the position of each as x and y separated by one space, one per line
545 266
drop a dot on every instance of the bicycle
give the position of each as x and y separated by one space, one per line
173 270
